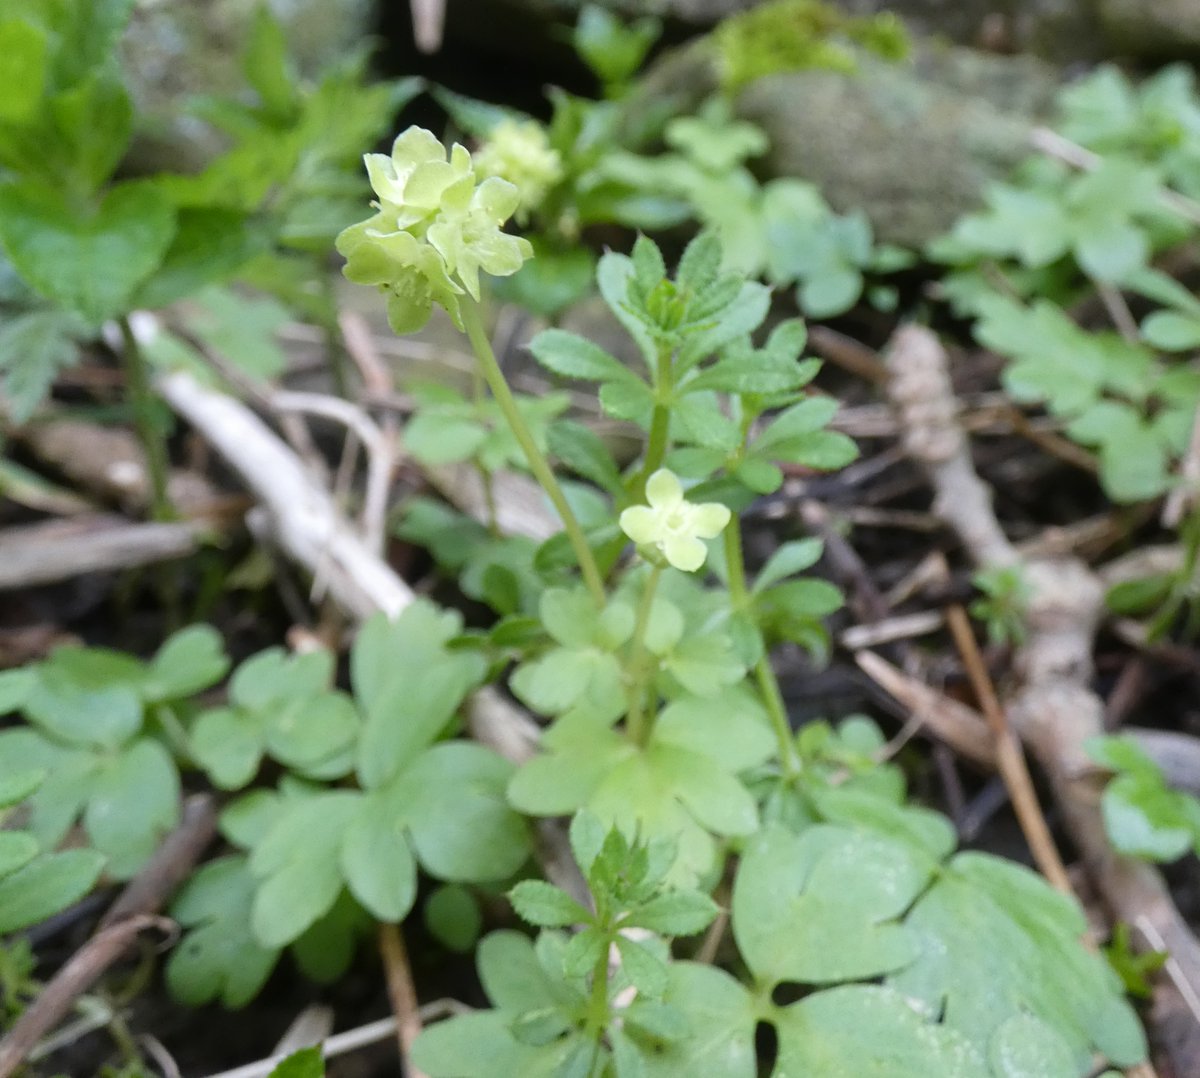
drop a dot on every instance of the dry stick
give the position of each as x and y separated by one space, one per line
350 1041
54 550
1055 145
132 912
1010 760
171 863
1053 710
402 993
69 983
299 515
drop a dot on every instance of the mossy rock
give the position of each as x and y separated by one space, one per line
913 145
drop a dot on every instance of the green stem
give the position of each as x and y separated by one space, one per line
536 458
635 721
597 1012
142 399
660 422
764 673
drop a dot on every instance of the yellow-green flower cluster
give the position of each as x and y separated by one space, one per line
435 229
673 525
520 152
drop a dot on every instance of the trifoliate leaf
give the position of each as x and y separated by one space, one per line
994 941
218 957
795 893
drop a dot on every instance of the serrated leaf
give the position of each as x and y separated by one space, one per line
546 906
209 246
268 66
572 356
34 348
88 262
676 913
584 452
791 558
645 970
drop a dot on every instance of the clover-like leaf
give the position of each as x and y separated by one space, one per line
858 1030
218 957
795 893
995 941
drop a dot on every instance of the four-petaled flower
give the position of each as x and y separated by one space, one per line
673 524
434 231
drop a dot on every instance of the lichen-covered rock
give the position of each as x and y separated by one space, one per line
911 145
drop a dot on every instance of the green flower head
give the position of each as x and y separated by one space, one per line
672 524
433 232
520 153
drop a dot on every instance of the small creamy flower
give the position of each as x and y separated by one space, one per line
520 152
673 524
433 232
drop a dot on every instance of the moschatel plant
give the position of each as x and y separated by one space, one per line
643 641
667 734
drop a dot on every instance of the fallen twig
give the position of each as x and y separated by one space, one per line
302 519
69 983
1010 760
54 550
402 993
1052 707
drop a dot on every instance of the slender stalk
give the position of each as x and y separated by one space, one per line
764 673
1010 759
536 458
137 379
635 721
597 1012
660 421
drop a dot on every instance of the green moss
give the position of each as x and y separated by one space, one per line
790 35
